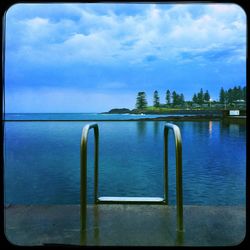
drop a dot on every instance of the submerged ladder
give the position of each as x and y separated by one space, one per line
131 200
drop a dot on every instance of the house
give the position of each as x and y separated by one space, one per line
196 105
240 103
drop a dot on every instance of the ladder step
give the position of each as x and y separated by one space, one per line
142 200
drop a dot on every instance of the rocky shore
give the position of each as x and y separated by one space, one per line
183 115
168 112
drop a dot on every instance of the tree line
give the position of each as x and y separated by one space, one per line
232 94
173 98
201 97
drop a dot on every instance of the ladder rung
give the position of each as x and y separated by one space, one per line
148 200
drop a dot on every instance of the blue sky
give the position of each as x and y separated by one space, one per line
94 57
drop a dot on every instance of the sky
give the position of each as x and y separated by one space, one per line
94 57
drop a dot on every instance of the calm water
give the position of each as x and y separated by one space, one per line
82 116
42 161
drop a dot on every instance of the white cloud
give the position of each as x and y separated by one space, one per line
109 37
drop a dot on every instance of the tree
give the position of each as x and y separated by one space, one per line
226 96
230 95
234 93
182 100
244 93
168 97
200 97
206 96
174 98
156 99
222 96
141 102
238 93
195 98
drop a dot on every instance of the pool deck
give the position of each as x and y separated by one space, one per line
125 225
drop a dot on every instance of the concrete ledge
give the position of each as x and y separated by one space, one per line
125 225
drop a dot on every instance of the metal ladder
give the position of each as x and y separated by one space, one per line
131 200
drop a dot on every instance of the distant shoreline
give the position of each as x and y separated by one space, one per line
165 112
184 115
211 112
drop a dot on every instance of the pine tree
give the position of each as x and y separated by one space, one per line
244 93
168 97
156 99
230 95
200 97
238 93
194 98
141 102
226 96
182 100
222 95
174 98
206 96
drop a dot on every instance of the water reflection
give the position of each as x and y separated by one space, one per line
210 128
96 225
141 128
232 129
156 128
201 128
179 240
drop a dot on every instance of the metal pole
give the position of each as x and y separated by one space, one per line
178 150
179 194
96 131
83 176
83 184
166 164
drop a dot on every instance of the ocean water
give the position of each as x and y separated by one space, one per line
82 116
42 161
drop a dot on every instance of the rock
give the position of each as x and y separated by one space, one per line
118 111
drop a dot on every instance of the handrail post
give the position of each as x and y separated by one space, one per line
83 174
178 155
96 131
166 165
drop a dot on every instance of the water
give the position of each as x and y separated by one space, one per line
83 116
41 161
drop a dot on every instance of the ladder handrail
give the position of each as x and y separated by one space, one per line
83 181
83 166
178 155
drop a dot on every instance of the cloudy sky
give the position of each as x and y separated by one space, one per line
94 57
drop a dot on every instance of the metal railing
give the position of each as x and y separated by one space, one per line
83 178
131 200
178 155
